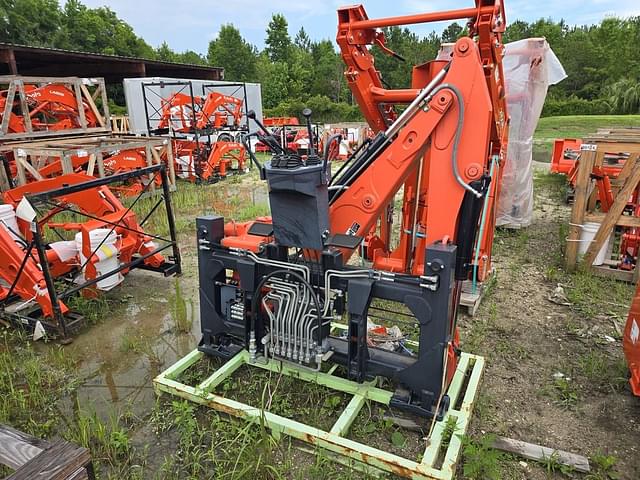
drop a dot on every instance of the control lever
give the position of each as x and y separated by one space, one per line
306 113
268 137
312 157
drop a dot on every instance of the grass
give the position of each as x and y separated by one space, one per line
182 309
31 384
577 126
209 445
481 460
589 294
205 444
233 201
603 371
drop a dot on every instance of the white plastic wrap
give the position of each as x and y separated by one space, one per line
530 66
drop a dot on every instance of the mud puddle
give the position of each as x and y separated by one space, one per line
118 359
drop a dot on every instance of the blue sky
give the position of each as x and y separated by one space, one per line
191 24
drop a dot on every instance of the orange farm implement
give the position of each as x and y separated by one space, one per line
41 267
280 293
205 130
35 107
99 156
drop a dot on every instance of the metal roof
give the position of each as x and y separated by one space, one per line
45 61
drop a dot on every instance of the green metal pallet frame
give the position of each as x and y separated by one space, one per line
465 385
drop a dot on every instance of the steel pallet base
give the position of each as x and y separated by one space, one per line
464 386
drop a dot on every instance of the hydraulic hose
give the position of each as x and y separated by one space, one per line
458 136
483 218
261 284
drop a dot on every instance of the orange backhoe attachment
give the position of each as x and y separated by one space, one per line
221 159
459 136
51 107
440 143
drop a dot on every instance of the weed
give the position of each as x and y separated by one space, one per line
480 460
92 309
565 393
604 372
181 310
589 293
450 427
135 342
552 464
603 467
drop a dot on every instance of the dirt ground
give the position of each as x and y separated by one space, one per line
555 374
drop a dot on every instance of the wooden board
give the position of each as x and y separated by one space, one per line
32 458
17 448
538 453
581 197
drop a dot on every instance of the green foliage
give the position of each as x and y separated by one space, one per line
232 52
624 95
573 105
279 47
303 72
480 460
395 73
598 60
452 33
302 41
603 467
324 109
98 30
76 27
29 22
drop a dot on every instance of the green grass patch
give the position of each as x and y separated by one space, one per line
577 126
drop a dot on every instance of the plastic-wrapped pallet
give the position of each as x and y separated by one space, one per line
530 66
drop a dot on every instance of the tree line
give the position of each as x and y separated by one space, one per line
602 61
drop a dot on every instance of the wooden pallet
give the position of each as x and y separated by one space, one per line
33 458
471 298
30 156
120 124
86 90
586 207
463 391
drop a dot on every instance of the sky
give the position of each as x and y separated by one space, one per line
191 24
